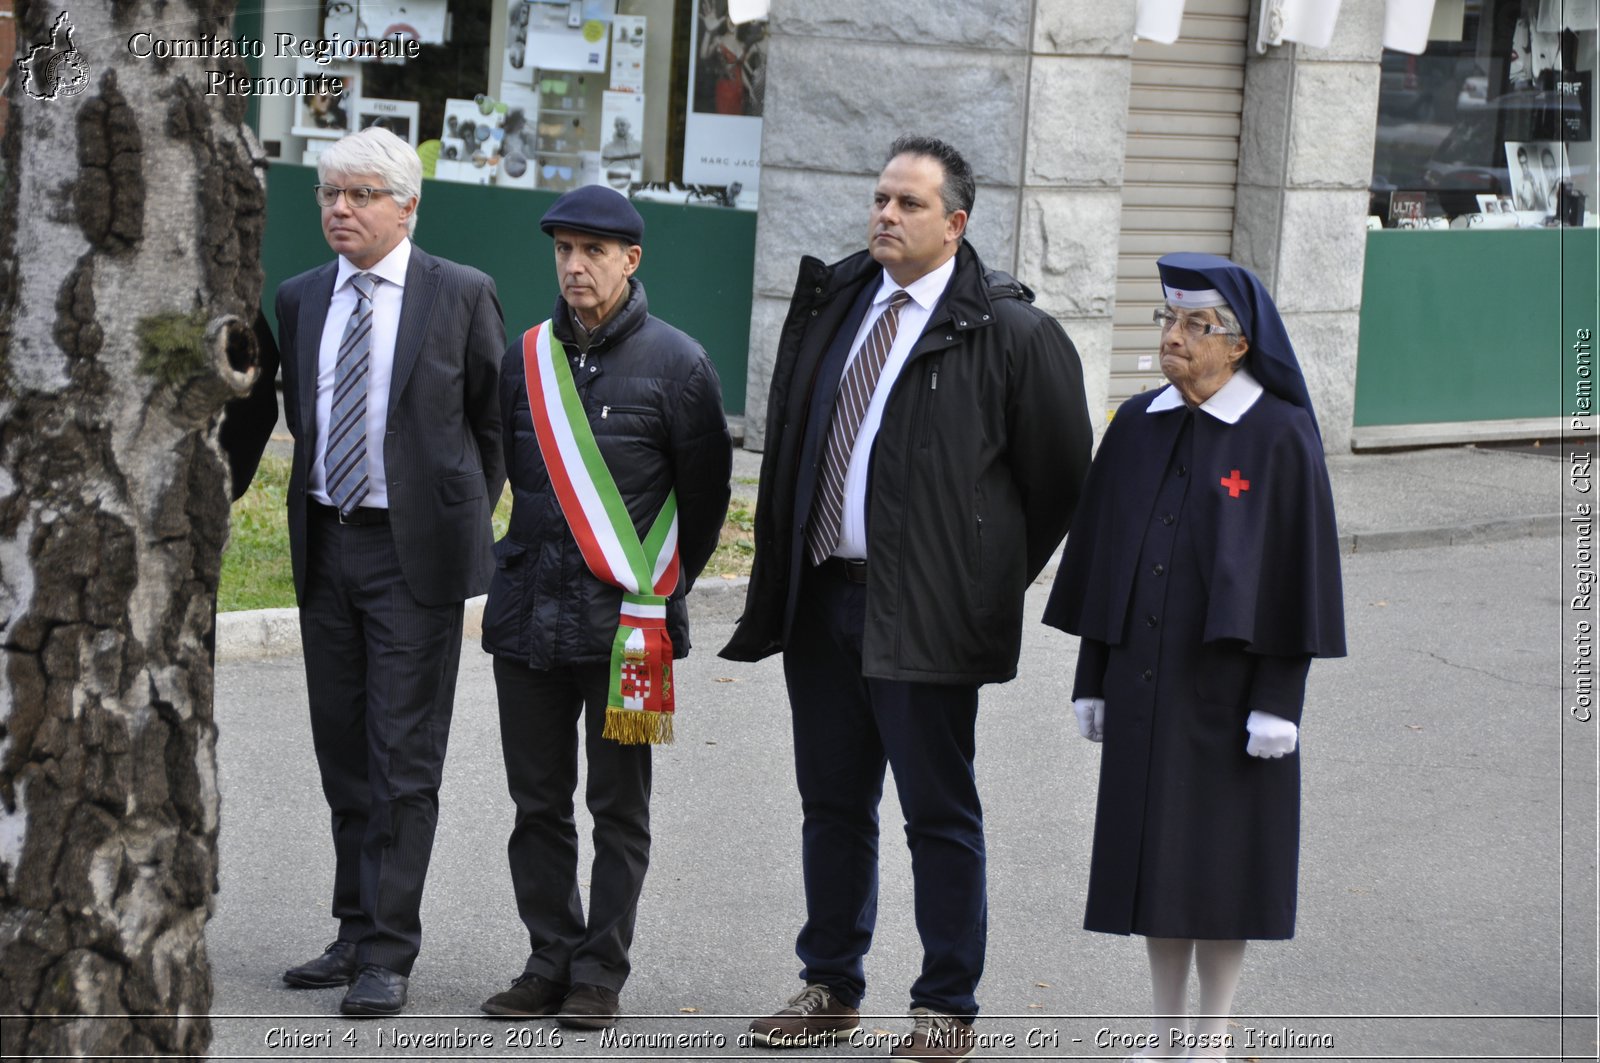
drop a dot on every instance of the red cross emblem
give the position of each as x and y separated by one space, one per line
1234 484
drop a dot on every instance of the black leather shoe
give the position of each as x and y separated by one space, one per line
336 966
530 994
377 991
589 1007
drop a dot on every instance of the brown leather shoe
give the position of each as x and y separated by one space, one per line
529 995
936 1037
589 1007
335 967
813 1016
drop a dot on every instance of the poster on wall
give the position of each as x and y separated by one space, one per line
621 152
727 83
1537 170
418 20
627 53
397 116
553 43
327 114
515 69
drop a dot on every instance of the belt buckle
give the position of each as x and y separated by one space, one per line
341 515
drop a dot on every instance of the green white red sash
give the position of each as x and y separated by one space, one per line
640 705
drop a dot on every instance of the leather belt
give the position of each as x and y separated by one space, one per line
361 515
849 569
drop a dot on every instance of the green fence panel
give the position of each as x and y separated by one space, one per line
1469 325
698 266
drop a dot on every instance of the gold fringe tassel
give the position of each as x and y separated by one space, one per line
632 727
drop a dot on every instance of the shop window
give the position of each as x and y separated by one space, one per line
658 98
1492 126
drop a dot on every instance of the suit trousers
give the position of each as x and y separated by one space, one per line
846 729
381 677
539 711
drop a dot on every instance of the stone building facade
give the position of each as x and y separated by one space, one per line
1035 93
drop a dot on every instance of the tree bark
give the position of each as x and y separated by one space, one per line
130 238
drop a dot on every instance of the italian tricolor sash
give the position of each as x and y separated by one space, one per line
639 707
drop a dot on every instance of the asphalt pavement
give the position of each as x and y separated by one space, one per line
1447 896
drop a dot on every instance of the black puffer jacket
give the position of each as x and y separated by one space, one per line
655 405
975 474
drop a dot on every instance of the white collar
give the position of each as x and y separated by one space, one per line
391 267
1231 402
925 290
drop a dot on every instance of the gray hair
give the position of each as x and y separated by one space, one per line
379 152
1230 321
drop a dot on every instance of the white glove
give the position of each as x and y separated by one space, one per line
1270 736
1091 718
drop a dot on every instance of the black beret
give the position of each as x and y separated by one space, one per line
595 209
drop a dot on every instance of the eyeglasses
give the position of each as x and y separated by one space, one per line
358 197
551 171
1193 327
554 86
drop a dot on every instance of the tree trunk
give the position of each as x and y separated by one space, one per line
130 238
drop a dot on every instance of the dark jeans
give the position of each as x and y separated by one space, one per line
539 713
846 729
381 680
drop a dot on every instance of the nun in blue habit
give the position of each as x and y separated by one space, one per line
1202 577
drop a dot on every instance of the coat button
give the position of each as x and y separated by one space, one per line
1151 620
1168 519
1149 675
818 290
1157 569
1183 470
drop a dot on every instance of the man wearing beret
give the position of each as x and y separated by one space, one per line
619 459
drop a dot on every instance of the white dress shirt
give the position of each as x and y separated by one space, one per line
386 300
925 292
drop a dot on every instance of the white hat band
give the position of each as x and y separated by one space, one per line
1190 299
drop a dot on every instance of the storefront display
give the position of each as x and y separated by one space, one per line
544 94
1500 104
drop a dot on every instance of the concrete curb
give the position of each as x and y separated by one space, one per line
256 634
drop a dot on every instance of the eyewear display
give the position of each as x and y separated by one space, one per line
1193 327
358 196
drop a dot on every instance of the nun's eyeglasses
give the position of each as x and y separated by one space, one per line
1193 327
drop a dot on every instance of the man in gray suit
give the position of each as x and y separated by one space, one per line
390 369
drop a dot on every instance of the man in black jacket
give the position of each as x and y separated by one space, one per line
646 399
927 437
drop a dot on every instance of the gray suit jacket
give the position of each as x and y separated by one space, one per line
442 447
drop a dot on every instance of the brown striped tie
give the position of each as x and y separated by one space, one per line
849 408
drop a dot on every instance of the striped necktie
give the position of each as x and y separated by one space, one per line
345 466
849 408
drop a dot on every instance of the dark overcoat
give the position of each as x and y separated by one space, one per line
1203 575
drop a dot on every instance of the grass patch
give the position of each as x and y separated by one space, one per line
737 547
255 566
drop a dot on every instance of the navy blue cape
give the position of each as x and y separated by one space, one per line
1269 557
